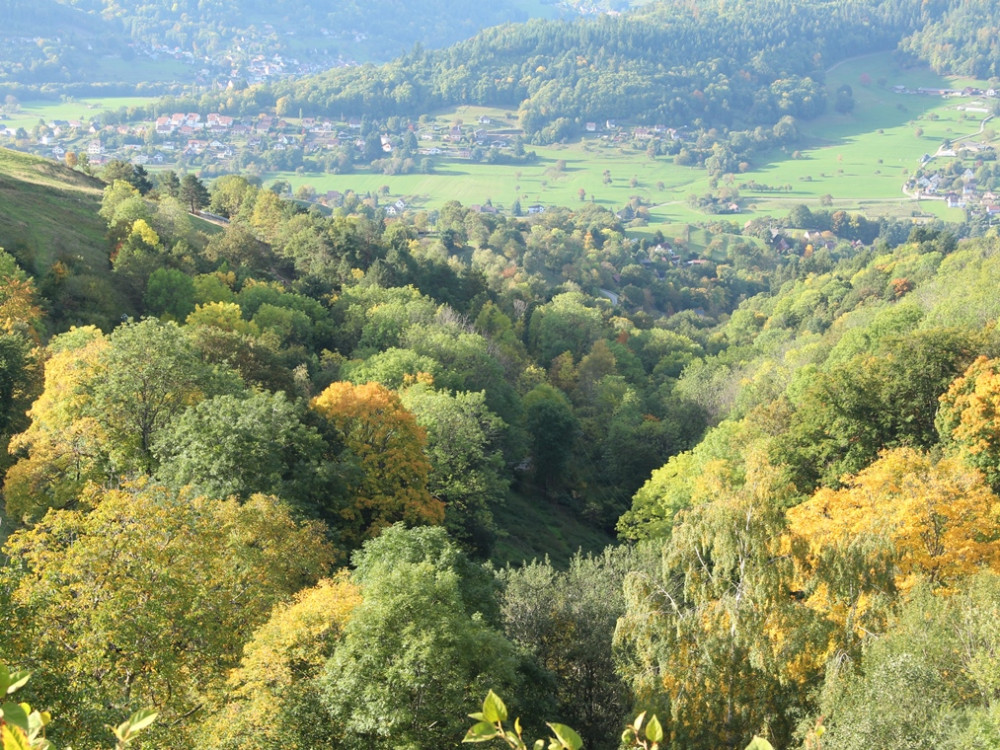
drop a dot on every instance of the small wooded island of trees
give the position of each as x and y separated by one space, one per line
300 478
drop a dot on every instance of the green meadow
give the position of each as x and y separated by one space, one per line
30 112
860 160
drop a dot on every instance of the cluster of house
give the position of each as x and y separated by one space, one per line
255 69
589 8
931 91
942 186
180 134
188 124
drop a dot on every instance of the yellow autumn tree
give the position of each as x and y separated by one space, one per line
19 309
969 417
21 328
59 452
712 639
385 445
272 690
143 598
905 518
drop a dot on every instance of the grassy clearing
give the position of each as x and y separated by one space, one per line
533 527
140 70
862 159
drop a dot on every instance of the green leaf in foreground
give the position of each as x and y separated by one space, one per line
483 731
15 715
567 736
494 709
654 732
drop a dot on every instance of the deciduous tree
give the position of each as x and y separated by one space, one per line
144 597
416 655
272 699
903 519
387 444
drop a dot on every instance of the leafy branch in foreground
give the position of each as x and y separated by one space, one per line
490 726
22 728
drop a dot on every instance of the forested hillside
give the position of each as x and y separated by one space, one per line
962 42
286 393
846 495
696 64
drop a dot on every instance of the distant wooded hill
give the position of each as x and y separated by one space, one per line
60 42
700 64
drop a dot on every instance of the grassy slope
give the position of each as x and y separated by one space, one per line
533 527
48 212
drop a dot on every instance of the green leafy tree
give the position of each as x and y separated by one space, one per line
883 398
566 620
147 375
566 323
170 294
415 653
552 429
230 194
230 445
929 679
463 446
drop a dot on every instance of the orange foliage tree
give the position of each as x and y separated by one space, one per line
387 444
903 519
969 417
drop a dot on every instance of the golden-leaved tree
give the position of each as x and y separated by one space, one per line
969 417
105 400
712 638
271 698
385 444
20 353
144 597
905 518
59 452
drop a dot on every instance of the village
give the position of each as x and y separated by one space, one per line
216 144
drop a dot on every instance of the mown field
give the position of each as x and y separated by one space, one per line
861 160
30 112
